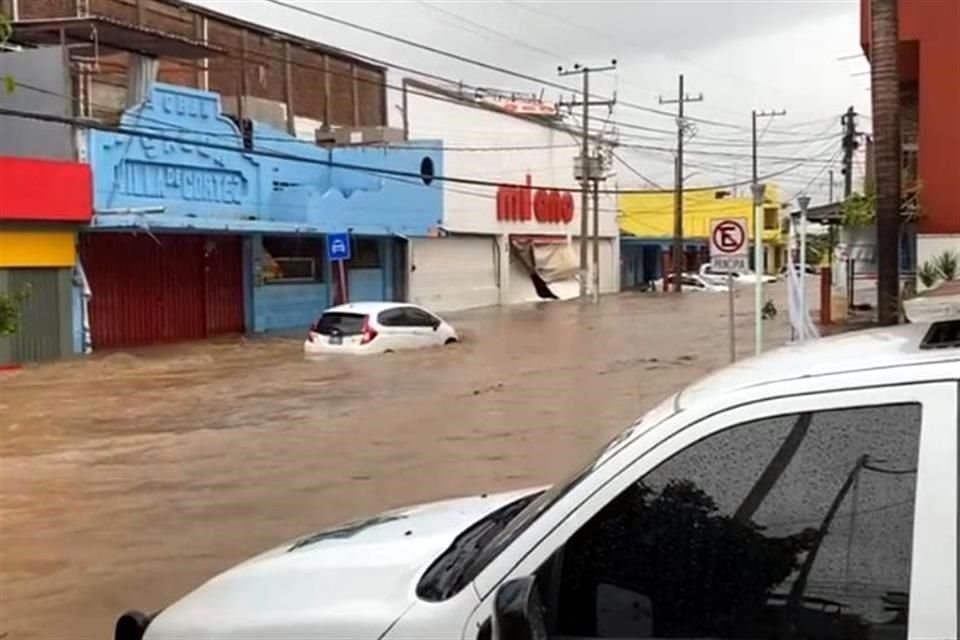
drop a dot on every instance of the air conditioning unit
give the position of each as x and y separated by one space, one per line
344 136
259 109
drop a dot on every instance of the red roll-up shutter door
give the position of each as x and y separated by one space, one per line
162 288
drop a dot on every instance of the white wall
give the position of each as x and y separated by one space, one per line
472 209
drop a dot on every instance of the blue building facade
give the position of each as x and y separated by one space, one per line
182 169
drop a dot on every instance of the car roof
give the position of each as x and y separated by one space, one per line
367 308
858 351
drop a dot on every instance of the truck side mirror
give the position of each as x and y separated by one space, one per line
518 613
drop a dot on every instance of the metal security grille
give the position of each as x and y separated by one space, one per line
163 288
43 310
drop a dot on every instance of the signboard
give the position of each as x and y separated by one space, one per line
521 107
338 247
728 245
522 204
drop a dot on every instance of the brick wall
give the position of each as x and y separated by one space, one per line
46 8
316 93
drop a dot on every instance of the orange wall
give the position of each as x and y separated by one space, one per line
935 25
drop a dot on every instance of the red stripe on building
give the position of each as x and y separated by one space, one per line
45 190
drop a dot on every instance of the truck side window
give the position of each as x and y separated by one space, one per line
790 528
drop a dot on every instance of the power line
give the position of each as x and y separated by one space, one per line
728 154
471 61
136 133
635 172
163 126
618 36
462 19
831 164
254 56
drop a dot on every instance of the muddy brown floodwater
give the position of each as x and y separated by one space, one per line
126 480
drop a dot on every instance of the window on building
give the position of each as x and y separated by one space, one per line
291 259
771 219
793 527
366 253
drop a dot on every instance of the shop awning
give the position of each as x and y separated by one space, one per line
550 257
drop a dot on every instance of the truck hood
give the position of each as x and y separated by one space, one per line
353 581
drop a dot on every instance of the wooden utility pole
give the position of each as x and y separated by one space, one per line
585 164
678 255
886 144
850 145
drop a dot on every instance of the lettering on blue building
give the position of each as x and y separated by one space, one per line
148 180
190 106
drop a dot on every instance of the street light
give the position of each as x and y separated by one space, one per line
804 202
758 192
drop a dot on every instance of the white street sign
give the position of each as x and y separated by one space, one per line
729 254
730 263
728 245
728 237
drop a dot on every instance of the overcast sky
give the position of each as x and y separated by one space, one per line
741 54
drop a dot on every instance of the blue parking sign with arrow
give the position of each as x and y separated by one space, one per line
338 246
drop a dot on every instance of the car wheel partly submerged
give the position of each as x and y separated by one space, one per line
450 341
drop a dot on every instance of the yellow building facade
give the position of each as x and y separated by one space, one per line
649 216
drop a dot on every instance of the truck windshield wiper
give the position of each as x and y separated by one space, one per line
450 572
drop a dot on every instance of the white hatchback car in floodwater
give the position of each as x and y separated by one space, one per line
807 494
376 327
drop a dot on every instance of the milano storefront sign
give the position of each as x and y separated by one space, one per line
523 204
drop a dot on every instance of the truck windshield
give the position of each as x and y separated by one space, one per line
522 519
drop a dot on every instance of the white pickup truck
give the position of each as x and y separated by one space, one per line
808 493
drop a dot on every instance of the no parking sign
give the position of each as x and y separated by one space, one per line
728 245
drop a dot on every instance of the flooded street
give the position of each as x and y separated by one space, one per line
128 479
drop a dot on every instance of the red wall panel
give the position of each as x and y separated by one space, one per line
48 190
933 28
162 288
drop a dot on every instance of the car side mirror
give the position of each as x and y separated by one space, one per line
518 613
436 325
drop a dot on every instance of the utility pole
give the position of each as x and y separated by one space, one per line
758 191
831 187
596 239
585 173
850 145
678 256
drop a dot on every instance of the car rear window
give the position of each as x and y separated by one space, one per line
346 324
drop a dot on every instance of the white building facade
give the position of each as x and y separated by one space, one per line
506 245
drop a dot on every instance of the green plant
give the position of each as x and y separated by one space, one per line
859 210
6 30
947 265
818 248
10 311
928 274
